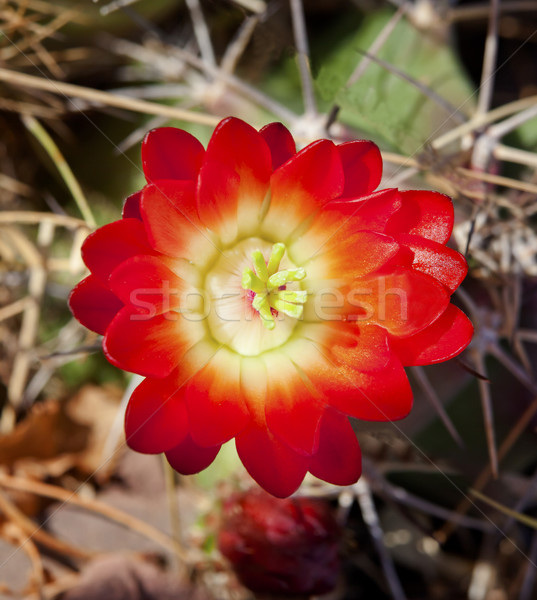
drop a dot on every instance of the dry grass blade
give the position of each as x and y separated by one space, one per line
30 318
99 97
67 497
29 217
28 108
479 121
514 184
28 546
32 531
41 135
521 518
33 35
523 157
14 186
6 312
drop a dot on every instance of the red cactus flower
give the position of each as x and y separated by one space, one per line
268 294
282 547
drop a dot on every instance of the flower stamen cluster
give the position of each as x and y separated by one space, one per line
269 287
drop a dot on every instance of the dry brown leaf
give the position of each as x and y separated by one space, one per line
59 436
44 434
77 428
95 408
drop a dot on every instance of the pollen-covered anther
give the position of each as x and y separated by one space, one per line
269 286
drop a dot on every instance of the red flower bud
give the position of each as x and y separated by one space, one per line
283 547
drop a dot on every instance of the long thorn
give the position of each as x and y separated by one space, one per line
301 41
432 396
371 519
201 31
489 61
486 402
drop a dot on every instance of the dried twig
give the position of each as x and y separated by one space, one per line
37 533
30 319
16 533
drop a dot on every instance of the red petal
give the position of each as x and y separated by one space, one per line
362 164
170 153
403 302
447 266
146 284
173 226
150 346
131 207
447 337
340 219
93 304
339 459
384 395
188 458
293 414
301 186
372 212
111 244
234 179
424 213
216 408
365 347
274 466
350 256
280 141
156 418
357 374
254 378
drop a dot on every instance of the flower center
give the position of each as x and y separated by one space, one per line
253 297
269 286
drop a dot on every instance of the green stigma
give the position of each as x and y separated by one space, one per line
267 283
